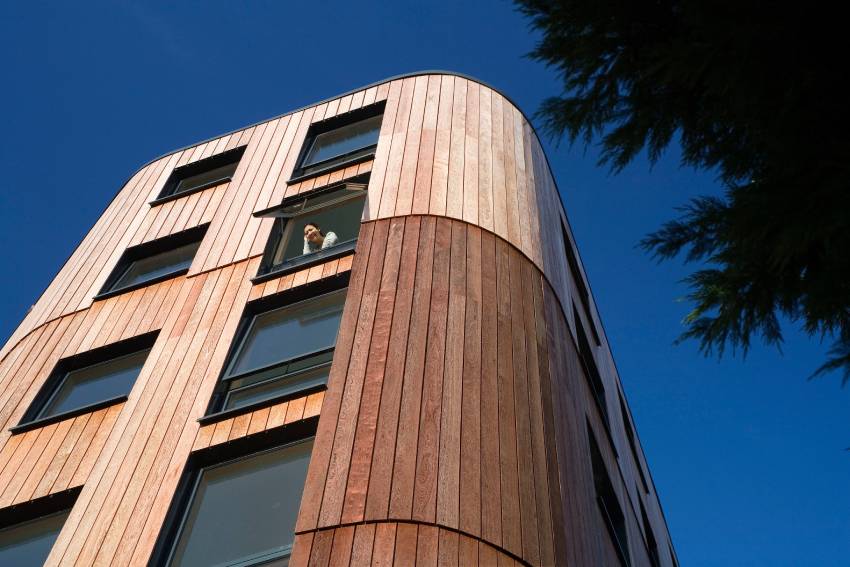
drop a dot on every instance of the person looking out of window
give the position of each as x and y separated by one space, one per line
315 239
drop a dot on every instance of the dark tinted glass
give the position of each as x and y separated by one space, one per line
28 545
342 221
96 383
344 140
145 269
290 331
206 177
275 385
245 510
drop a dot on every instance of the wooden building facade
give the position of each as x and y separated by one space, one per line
468 411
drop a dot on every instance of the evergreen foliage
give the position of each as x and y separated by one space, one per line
752 91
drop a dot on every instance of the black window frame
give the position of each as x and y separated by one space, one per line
41 508
291 434
649 537
352 157
584 294
610 508
146 250
591 370
630 438
33 419
169 190
283 221
216 410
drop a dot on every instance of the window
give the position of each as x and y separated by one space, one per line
584 295
606 499
242 512
200 175
630 435
154 261
28 544
90 380
333 213
651 544
341 140
591 371
281 352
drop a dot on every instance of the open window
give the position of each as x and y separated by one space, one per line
200 175
280 352
89 381
340 141
239 512
154 261
314 227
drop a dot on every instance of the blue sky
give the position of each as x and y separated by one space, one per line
748 456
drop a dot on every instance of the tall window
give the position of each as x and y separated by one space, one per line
341 140
630 436
591 371
584 295
609 504
314 227
90 380
242 512
651 544
154 261
201 175
281 352
28 544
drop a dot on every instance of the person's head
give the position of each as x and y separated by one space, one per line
313 233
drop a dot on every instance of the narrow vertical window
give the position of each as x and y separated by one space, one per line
584 295
607 501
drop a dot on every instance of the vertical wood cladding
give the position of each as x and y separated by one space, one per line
453 429
475 423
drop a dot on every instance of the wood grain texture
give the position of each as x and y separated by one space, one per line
453 430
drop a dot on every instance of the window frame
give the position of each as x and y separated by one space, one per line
173 527
581 286
632 441
282 228
216 410
41 508
599 472
169 189
146 250
32 418
351 157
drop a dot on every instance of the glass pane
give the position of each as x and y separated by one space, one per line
157 265
205 177
285 384
289 332
244 509
344 140
96 383
28 545
338 224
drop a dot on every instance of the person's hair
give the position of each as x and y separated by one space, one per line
311 223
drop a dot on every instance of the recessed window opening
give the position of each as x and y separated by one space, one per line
651 544
606 499
630 436
29 543
315 226
282 352
341 140
90 380
591 371
584 295
242 512
202 174
154 261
